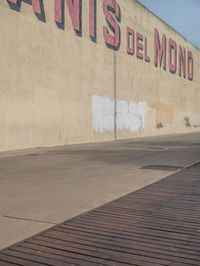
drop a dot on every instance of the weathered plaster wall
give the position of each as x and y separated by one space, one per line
58 88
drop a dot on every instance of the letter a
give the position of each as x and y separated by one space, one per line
36 4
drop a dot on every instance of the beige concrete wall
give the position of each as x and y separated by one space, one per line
58 88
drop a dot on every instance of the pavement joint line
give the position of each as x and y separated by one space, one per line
26 219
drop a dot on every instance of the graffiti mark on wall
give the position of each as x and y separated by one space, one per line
130 115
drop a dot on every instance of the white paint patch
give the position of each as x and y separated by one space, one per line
103 113
130 115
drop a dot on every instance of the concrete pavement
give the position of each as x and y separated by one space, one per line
42 187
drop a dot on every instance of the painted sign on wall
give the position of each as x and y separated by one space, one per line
168 55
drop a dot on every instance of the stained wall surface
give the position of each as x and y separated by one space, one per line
59 87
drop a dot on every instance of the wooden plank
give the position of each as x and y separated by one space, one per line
157 225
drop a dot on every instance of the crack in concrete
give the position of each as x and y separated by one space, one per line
26 219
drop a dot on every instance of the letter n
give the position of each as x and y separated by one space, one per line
36 4
74 8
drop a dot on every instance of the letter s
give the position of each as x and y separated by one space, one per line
112 41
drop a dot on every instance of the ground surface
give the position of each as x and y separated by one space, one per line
155 226
42 187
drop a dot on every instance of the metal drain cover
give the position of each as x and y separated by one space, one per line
162 167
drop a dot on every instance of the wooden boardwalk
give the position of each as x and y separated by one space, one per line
157 225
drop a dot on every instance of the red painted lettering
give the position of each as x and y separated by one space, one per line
159 50
36 4
190 65
92 19
130 41
147 58
172 56
139 45
58 11
74 8
111 6
182 62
